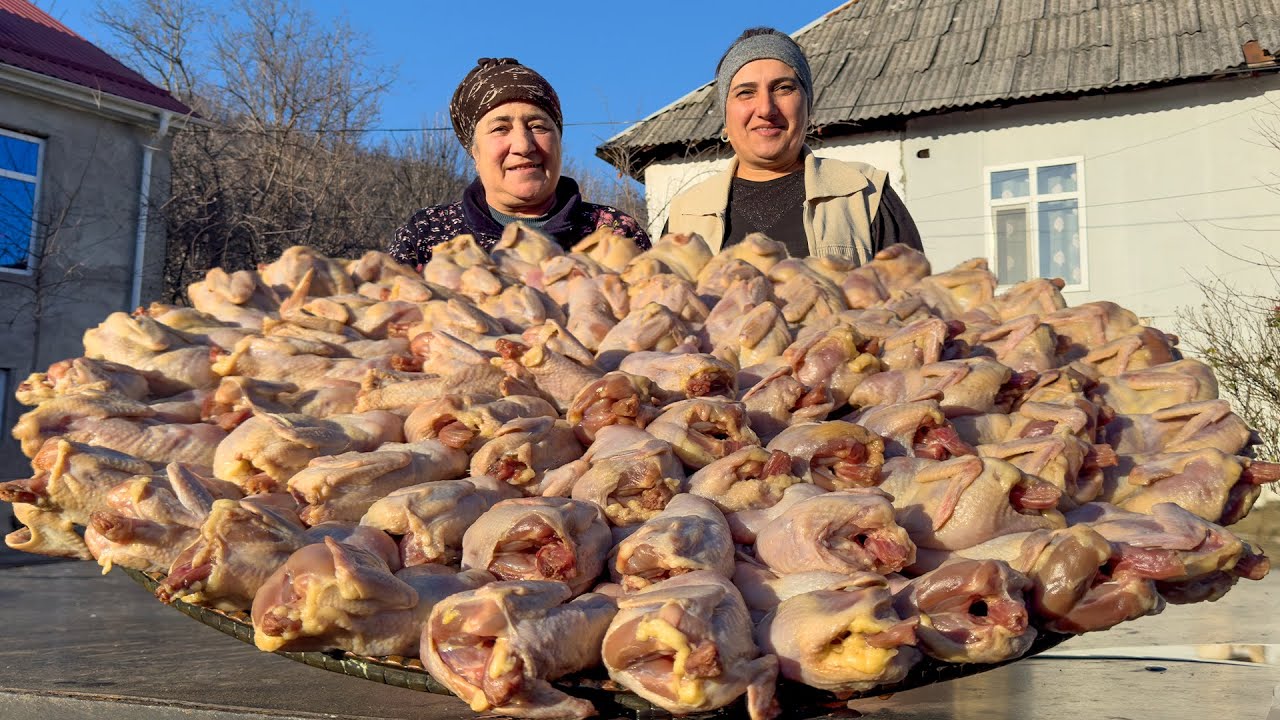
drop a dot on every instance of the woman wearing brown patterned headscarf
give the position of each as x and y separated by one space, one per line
508 118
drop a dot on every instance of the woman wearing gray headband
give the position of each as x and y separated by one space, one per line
775 184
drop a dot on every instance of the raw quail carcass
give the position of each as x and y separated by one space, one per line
618 398
596 305
145 521
334 595
628 473
847 531
684 375
685 645
467 422
778 401
846 638
239 546
703 430
1070 464
266 450
344 486
539 539
744 485
497 647
833 455
976 612
524 449
914 429
606 247
1218 487
968 500
1181 428
652 327
431 517
73 479
1080 582
1211 557
67 377
689 534
1157 387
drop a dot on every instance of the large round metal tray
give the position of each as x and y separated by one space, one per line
799 701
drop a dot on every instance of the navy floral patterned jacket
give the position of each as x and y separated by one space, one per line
571 220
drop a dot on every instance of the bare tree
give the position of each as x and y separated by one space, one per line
283 155
157 36
615 189
1238 334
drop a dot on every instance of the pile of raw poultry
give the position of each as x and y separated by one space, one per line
700 471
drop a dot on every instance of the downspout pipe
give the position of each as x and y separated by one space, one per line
144 205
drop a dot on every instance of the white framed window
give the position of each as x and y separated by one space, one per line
20 161
1035 222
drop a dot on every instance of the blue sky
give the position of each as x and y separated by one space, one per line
610 62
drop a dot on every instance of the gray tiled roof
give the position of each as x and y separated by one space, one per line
877 60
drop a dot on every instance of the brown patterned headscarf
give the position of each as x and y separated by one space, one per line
492 82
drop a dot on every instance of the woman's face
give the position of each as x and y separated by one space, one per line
517 155
765 118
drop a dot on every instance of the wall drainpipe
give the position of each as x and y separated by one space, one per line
144 203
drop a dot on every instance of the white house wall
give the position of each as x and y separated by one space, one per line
663 181
1162 170
91 170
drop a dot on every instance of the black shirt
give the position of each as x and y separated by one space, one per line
776 208
773 207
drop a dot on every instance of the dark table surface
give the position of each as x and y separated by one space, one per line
80 646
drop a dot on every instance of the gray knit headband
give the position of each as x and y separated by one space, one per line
761 47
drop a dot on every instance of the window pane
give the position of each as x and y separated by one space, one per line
17 200
1010 184
1060 241
1011 245
18 155
1056 179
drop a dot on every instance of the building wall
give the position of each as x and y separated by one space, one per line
1162 174
88 207
663 181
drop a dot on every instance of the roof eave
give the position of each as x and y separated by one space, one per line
641 157
79 97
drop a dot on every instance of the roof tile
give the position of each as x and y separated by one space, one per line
882 95
1094 67
986 81
933 88
911 56
1068 7
1071 32
933 20
1224 14
1012 11
1041 74
1147 60
974 15
1263 8
893 26
960 48
1009 41
1202 53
